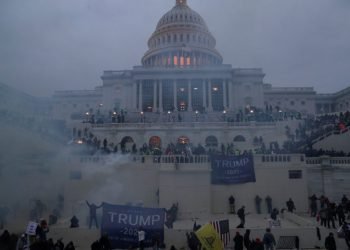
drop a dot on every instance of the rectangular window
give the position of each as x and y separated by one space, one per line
295 174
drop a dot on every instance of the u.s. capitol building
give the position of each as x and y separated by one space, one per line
182 71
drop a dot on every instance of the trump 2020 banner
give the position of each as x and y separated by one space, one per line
232 169
122 224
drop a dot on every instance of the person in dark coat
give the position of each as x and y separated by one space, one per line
41 230
74 222
246 239
269 240
329 242
290 205
330 217
258 204
105 242
257 245
59 245
274 214
340 214
238 240
70 246
241 215
96 245
313 205
268 201
231 201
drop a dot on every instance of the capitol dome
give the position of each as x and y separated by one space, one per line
181 39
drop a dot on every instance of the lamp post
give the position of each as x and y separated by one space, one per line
169 114
87 116
196 115
224 115
114 115
142 116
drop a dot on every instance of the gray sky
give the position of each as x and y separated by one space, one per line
48 45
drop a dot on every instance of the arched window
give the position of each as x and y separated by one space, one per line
155 142
239 138
183 140
127 139
211 141
126 144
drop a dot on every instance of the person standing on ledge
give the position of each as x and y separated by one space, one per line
258 204
93 214
231 201
290 205
268 201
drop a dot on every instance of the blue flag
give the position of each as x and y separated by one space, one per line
122 224
232 169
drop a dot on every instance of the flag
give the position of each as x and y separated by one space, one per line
223 229
209 238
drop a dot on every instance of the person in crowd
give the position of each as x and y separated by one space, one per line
231 202
246 239
70 246
322 201
141 238
238 240
171 215
268 201
41 230
274 214
340 214
323 216
59 245
313 205
74 222
329 242
290 205
330 216
241 215
96 245
105 242
269 240
258 204
257 244
93 213
344 200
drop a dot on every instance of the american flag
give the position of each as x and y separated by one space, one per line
223 229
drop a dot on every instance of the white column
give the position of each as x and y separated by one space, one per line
224 82
134 96
175 94
204 94
189 95
210 106
154 109
160 95
230 101
140 96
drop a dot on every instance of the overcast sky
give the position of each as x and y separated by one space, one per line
48 45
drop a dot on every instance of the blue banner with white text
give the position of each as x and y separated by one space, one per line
123 223
232 169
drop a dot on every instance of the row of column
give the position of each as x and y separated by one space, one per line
138 100
189 59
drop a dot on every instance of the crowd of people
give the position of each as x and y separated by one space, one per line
328 212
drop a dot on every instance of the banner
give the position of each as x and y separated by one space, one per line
209 238
122 224
232 169
31 228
